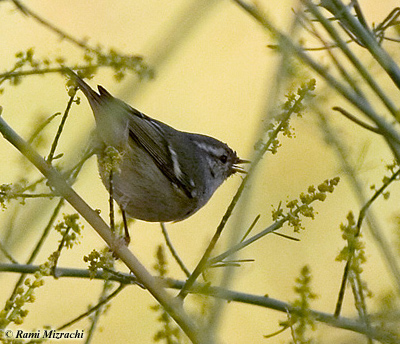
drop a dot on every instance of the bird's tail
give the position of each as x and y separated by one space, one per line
92 96
110 114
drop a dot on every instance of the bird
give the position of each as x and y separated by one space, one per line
162 174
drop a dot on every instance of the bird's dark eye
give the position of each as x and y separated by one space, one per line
223 158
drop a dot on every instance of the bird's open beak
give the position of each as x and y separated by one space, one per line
240 169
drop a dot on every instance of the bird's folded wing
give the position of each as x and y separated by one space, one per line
148 135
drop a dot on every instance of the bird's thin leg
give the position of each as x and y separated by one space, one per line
127 236
111 202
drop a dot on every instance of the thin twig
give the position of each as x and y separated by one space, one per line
243 244
49 70
42 126
359 300
93 309
357 121
60 129
28 12
285 236
38 245
173 251
361 217
251 227
7 254
96 313
57 253
26 195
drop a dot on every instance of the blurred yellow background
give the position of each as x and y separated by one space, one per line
215 80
